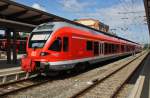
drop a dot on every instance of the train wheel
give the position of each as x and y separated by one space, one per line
80 67
52 73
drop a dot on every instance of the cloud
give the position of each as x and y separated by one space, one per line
117 15
124 18
38 6
75 5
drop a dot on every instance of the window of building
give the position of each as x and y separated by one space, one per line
56 45
65 44
89 45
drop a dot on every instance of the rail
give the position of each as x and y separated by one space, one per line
14 74
97 81
15 86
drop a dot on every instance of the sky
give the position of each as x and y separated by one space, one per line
125 17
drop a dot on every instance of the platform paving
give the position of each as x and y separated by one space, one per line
5 65
146 74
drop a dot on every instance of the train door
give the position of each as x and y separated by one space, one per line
101 48
65 47
96 48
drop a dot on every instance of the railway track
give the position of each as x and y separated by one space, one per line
14 79
15 86
104 87
8 76
71 87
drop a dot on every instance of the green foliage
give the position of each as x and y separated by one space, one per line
146 46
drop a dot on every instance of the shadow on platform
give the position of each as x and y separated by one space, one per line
5 65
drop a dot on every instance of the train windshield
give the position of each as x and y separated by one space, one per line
38 39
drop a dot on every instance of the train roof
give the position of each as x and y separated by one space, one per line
52 26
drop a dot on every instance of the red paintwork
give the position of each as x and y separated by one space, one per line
25 62
77 48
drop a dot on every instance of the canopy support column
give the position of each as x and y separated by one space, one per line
14 47
8 45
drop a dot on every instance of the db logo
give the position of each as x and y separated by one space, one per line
55 54
33 53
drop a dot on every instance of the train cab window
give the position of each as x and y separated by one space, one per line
65 44
89 45
38 39
56 45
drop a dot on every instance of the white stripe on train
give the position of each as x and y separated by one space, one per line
90 59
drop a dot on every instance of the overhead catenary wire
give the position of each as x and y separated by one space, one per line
133 15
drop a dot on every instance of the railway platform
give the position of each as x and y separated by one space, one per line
4 65
145 93
80 86
141 88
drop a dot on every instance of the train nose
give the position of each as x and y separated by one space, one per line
44 53
27 64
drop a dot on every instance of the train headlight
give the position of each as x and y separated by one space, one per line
24 56
44 53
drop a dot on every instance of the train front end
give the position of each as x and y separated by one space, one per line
37 53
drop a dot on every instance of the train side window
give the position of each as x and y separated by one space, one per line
89 45
56 45
109 48
100 48
103 48
65 44
106 48
122 48
112 46
96 48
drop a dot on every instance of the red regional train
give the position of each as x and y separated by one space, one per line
61 46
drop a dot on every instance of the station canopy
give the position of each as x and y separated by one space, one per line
23 18
147 10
